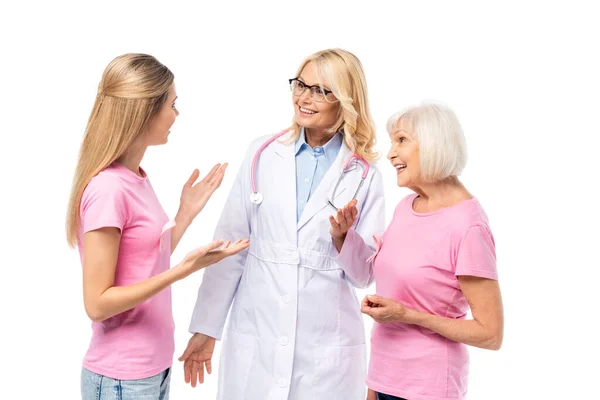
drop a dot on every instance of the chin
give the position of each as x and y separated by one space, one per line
401 183
165 141
307 123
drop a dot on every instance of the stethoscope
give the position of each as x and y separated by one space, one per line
257 198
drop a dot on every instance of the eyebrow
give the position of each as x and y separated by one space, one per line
175 99
321 86
400 132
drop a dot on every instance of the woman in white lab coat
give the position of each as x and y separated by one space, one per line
295 331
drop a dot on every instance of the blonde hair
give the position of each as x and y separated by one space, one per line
344 73
442 145
132 91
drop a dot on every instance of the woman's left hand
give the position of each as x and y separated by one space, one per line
195 196
382 309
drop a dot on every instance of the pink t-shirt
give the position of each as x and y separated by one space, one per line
137 343
418 263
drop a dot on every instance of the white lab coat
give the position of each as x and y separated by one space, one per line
295 331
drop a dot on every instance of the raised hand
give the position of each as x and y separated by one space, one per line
194 196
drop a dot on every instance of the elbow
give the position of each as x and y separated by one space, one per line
95 313
494 342
363 283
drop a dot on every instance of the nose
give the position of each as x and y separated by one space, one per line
391 154
306 96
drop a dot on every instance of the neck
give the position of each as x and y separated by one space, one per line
317 137
132 158
441 194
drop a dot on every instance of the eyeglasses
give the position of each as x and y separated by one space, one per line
317 93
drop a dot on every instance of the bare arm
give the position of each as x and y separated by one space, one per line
103 300
183 221
485 330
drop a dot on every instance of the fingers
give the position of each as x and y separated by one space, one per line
341 219
371 305
351 212
366 309
215 244
187 371
228 248
345 217
365 305
211 175
365 302
219 176
195 371
208 365
238 246
354 211
377 301
186 354
216 174
334 223
201 372
193 178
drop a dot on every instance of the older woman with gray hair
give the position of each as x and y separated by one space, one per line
435 261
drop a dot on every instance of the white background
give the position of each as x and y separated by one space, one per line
523 79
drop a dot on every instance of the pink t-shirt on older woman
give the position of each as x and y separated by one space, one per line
418 263
137 343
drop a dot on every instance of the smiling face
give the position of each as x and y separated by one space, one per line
309 113
404 156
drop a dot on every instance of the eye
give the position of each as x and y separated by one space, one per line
401 139
319 91
173 107
301 85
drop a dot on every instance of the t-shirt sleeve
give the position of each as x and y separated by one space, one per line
477 254
103 205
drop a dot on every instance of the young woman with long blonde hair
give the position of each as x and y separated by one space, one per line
124 236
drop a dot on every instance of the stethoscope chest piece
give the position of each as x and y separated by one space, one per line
256 198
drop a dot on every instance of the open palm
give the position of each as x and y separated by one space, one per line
194 196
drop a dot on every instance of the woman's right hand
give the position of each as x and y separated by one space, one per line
210 254
197 357
342 222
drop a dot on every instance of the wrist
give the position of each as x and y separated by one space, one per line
340 238
180 271
409 316
184 217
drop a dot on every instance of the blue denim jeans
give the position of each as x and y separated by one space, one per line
98 387
381 396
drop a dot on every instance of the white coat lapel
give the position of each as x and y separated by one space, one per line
282 177
319 199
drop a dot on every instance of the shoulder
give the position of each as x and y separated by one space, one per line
473 214
470 218
105 181
260 140
106 185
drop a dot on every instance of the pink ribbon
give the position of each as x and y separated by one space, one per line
378 243
169 225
